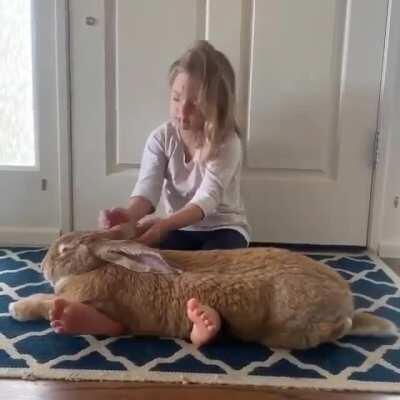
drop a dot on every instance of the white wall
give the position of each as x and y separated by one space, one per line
390 234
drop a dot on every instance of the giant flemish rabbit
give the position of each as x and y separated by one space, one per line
272 296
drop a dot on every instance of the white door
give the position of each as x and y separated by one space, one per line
29 200
309 79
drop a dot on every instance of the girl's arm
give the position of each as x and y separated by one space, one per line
188 215
121 223
139 207
218 175
147 191
151 176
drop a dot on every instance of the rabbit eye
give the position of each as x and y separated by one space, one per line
62 248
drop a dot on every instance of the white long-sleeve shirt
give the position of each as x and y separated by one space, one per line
213 186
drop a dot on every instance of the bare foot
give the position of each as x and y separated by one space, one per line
206 322
80 319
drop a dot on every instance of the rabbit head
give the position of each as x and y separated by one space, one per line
70 254
79 252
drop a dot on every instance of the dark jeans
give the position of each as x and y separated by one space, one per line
204 240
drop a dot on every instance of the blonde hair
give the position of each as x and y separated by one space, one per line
217 97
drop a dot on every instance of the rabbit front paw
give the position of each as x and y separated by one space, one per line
36 306
19 311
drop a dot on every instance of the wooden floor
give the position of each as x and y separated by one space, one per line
393 263
41 390
46 390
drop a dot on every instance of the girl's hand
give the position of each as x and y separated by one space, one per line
153 232
112 216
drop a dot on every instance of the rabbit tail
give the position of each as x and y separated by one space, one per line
365 324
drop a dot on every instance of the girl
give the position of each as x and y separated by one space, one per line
195 160
198 156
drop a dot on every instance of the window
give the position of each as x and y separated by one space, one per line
17 133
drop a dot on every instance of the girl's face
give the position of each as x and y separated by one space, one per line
183 104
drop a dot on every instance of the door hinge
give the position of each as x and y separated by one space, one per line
377 148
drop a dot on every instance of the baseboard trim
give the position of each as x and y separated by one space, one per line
389 250
27 236
304 247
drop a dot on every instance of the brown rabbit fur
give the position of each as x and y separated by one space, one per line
268 295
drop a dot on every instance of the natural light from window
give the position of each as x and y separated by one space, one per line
17 135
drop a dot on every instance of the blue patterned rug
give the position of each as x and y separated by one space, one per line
31 350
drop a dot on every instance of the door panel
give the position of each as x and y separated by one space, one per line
315 71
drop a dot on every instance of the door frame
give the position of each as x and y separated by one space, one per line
378 181
384 124
64 115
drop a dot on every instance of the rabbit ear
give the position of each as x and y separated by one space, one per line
133 256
